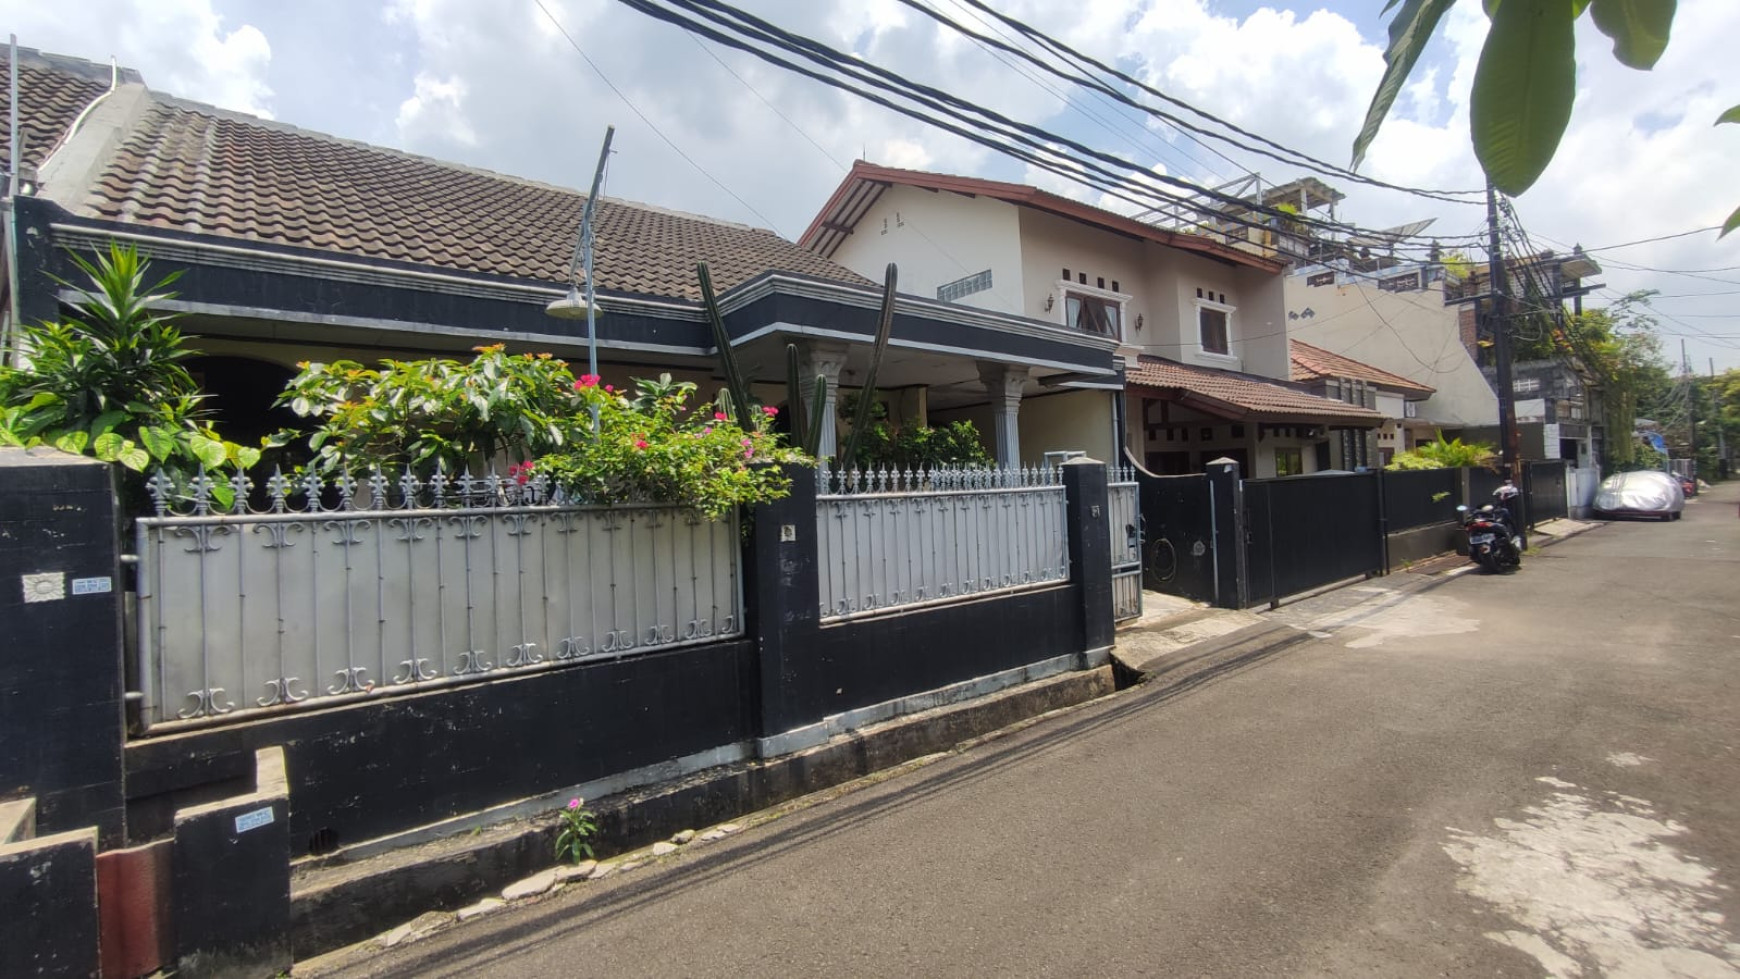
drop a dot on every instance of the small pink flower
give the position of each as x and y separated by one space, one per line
748 453
769 410
707 431
586 381
576 803
745 441
640 443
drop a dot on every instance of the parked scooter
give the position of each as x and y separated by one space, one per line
1493 541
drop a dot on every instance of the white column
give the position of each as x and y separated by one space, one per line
1003 384
827 358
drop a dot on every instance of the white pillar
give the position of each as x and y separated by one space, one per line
1003 384
827 358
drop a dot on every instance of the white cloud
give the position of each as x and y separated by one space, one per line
436 112
181 46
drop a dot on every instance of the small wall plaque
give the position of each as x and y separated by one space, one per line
254 820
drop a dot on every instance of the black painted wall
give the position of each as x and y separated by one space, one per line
61 721
372 769
48 907
810 671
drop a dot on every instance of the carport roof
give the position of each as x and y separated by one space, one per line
1228 394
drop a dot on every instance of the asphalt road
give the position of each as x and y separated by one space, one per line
1493 776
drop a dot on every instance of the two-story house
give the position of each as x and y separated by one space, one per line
1199 323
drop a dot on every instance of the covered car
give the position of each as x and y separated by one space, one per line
1647 493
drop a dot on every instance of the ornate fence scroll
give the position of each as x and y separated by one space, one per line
336 589
893 539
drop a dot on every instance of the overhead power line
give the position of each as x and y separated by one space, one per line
703 171
1115 176
1293 156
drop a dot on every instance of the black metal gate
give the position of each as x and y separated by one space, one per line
1177 535
1304 532
1544 490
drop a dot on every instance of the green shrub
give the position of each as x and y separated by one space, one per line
108 382
1454 454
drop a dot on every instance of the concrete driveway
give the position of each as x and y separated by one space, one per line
1520 776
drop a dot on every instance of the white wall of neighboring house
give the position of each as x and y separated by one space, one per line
1408 333
1071 420
938 238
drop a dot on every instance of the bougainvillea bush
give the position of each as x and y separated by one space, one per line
528 413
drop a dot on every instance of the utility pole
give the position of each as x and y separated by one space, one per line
1498 316
1691 408
1721 434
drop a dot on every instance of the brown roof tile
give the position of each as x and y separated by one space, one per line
1239 395
1316 364
52 91
204 169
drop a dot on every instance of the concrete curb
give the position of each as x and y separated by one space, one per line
337 905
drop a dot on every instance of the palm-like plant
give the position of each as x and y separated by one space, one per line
109 381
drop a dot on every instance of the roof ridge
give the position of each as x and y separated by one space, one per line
248 118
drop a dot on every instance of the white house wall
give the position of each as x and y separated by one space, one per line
1408 333
937 238
1071 420
1050 244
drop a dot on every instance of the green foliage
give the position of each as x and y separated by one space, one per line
579 826
1730 116
660 451
418 414
108 382
1441 454
1525 82
1523 89
953 446
529 410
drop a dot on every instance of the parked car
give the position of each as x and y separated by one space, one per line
1644 494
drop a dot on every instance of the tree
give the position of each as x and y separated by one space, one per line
1526 80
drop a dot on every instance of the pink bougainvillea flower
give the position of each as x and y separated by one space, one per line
640 443
769 410
718 416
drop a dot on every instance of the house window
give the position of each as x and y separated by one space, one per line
1093 314
1214 325
1289 462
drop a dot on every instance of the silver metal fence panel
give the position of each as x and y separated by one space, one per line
1126 524
446 583
896 539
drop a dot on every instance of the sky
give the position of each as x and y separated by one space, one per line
496 84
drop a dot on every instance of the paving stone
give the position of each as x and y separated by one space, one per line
663 849
602 871
419 927
631 865
530 887
712 836
730 828
684 837
481 908
579 871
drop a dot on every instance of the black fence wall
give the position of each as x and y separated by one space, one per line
1544 489
1420 498
1304 532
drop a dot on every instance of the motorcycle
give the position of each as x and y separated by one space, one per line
1493 541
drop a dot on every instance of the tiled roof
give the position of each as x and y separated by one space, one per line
52 91
192 167
1240 395
1316 364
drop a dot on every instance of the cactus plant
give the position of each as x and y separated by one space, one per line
806 434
